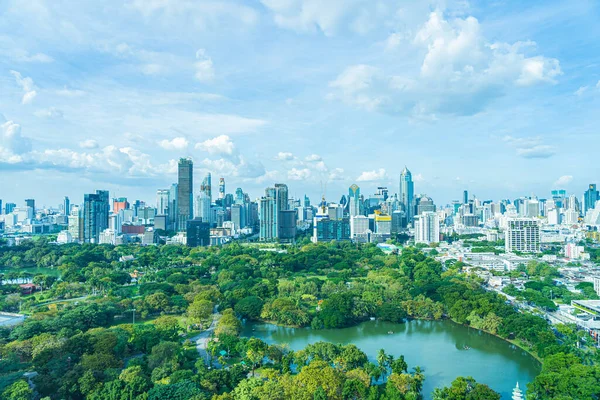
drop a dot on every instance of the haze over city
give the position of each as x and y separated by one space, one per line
500 98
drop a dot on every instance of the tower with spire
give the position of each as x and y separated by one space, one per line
517 393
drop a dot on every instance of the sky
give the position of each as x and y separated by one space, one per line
499 97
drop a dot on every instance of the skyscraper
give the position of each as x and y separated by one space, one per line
465 197
354 203
590 197
162 201
185 192
9 207
406 193
267 212
198 233
205 199
96 208
67 206
120 204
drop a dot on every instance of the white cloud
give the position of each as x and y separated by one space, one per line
65 92
24 56
539 151
52 113
314 158
563 180
219 145
419 178
205 71
581 90
459 74
375 175
530 147
152 69
336 174
284 156
296 174
88 144
236 167
598 85
27 85
178 143
12 143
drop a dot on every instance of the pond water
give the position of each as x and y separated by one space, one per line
436 346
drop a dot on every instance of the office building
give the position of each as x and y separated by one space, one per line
427 228
465 197
9 207
354 202
383 224
185 192
590 197
30 203
198 233
95 215
1 209
424 204
326 230
76 224
66 206
406 193
287 226
359 225
399 222
522 235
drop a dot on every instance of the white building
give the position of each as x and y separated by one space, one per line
427 228
64 237
597 285
523 235
358 225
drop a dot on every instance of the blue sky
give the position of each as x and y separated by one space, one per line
499 97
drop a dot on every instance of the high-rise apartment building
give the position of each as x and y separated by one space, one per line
427 228
204 200
185 192
120 204
172 216
267 212
162 201
523 235
221 188
424 204
406 193
96 208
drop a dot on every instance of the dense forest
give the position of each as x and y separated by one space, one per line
81 341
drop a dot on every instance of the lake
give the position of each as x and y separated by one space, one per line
436 346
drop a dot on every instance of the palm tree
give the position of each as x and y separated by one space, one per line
419 378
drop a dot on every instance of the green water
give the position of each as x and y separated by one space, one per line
436 346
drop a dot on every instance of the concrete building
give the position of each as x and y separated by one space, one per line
185 192
427 228
522 235
198 233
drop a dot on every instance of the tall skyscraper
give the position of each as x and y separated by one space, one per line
590 197
96 208
267 212
162 201
406 193
221 188
205 199
465 197
1 210
185 192
67 205
354 203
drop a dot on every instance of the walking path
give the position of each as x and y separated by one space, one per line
202 338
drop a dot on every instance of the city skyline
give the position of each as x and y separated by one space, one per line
498 99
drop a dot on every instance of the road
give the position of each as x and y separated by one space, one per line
202 338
